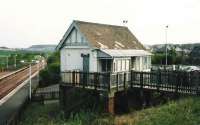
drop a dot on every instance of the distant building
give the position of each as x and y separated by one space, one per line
94 47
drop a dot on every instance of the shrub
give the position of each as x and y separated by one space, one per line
51 74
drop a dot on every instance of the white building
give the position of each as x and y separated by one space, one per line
93 47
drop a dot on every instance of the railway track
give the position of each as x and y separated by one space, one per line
10 82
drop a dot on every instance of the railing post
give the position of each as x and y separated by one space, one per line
141 80
124 80
84 79
117 77
131 78
158 79
95 81
109 81
73 77
198 85
177 81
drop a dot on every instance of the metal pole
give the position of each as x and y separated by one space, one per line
15 61
166 44
30 83
38 68
7 62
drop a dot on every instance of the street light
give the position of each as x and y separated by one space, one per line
30 82
166 27
7 62
15 61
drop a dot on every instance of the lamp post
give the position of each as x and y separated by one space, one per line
15 61
30 82
124 23
166 28
7 62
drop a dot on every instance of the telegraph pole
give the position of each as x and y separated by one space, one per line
30 82
166 28
15 61
7 62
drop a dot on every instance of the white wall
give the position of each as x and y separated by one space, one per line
71 55
75 36
71 59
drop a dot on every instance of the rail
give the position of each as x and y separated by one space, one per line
11 81
13 73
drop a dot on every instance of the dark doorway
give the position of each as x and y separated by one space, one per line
85 62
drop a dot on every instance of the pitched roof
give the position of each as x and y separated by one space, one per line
109 36
104 36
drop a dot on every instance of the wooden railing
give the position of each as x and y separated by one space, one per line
93 80
173 81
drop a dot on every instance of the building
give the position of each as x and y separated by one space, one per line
94 47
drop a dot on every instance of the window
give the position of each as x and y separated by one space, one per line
106 65
119 65
145 62
123 65
70 39
127 65
116 66
82 39
76 40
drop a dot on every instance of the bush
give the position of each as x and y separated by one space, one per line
51 74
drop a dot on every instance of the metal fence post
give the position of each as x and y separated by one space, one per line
158 79
177 81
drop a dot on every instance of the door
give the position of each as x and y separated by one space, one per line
85 69
85 62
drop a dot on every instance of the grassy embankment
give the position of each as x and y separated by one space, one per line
182 112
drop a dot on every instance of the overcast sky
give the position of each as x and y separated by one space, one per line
27 22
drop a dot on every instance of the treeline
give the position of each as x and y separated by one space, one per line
11 60
177 58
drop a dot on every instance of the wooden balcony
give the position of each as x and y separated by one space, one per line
170 81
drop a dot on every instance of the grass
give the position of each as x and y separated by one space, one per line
183 112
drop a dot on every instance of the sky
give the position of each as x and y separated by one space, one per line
28 22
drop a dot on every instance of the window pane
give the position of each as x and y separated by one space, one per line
123 65
127 65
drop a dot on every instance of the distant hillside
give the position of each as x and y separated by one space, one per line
6 48
41 48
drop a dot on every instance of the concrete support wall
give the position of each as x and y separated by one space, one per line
113 102
109 105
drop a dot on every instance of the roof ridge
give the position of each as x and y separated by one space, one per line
100 24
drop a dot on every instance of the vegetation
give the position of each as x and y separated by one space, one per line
194 56
21 57
173 57
183 112
189 54
51 74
